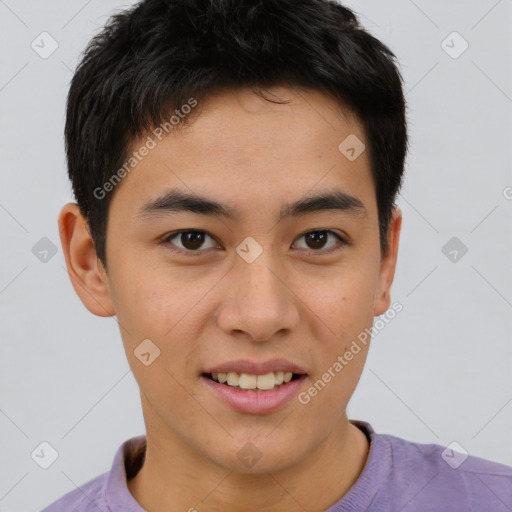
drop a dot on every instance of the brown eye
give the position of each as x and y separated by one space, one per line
317 241
190 240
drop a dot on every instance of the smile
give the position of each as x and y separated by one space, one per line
252 400
247 381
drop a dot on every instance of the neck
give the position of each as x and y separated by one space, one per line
173 478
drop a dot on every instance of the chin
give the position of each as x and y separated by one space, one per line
253 457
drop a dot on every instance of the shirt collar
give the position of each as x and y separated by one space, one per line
117 494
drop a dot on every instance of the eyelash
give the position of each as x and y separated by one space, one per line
172 248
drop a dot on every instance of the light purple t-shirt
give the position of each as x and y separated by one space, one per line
399 475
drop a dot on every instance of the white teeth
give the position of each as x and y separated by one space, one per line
233 379
266 381
248 381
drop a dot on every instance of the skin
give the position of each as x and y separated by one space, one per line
202 310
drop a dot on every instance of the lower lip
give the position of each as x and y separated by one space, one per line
256 402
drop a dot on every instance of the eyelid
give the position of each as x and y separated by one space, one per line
342 241
166 240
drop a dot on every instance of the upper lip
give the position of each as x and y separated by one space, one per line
256 368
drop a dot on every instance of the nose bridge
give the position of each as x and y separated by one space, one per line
258 279
261 302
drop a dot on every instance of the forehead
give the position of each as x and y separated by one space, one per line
239 118
240 146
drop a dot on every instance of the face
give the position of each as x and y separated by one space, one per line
270 287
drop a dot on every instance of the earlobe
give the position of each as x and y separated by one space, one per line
86 273
388 265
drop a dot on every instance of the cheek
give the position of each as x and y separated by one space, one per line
145 293
343 303
343 308
158 304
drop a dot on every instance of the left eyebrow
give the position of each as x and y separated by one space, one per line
176 200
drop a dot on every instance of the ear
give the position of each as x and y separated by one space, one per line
88 277
388 265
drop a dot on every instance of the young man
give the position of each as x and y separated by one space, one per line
236 165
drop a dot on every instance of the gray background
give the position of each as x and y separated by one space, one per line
439 372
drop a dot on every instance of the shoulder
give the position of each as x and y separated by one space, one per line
88 497
109 490
449 476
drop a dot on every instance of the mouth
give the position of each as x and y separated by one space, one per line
255 387
253 382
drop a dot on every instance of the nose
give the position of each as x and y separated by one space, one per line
260 302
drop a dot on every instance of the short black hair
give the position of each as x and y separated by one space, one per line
151 58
